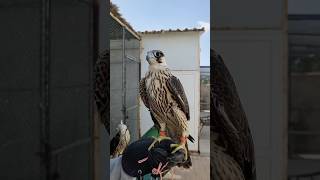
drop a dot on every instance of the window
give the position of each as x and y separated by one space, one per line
304 87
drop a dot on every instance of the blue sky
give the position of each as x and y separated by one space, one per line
170 14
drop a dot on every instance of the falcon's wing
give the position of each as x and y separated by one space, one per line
114 143
143 92
144 96
175 87
230 121
101 92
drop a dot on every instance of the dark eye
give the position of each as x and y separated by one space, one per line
158 54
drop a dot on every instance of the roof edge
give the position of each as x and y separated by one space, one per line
172 30
132 31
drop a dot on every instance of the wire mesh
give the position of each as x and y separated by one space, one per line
46 94
124 79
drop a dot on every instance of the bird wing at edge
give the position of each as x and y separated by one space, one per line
175 87
230 118
101 92
144 98
114 143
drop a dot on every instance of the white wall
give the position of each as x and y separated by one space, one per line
252 38
182 51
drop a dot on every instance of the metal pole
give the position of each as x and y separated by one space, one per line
124 82
44 86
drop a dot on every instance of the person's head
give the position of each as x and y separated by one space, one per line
137 160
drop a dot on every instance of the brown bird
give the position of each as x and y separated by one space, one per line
223 166
120 141
233 142
164 96
101 90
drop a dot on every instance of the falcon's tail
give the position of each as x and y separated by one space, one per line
191 138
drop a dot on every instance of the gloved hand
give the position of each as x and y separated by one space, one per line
137 161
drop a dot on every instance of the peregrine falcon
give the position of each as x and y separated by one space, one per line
164 96
101 92
230 124
121 140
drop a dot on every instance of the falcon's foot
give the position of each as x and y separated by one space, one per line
182 145
159 139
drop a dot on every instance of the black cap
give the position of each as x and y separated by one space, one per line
138 151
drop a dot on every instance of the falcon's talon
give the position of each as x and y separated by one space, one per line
178 147
157 139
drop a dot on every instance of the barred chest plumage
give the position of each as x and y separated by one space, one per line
159 96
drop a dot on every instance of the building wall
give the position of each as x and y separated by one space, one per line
303 7
182 51
204 88
251 37
304 88
132 49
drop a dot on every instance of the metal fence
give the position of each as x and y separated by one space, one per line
45 94
124 78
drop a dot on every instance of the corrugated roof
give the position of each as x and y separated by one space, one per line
114 11
172 30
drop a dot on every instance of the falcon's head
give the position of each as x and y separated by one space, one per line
156 58
122 128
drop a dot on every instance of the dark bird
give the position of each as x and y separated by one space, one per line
120 141
163 94
223 166
230 125
101 88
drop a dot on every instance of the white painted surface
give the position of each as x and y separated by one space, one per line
257 63
181 49
252 38
248 14
182 52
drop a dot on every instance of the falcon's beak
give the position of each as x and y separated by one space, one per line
149 54
147 58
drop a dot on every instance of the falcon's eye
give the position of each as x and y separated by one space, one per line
158 54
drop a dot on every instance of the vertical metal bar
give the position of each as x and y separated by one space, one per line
44 86
124 82
94 33
139 78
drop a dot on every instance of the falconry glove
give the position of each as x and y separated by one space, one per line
138 161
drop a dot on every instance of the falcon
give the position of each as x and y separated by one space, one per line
120 141
163 94
224 166
101 94
230 125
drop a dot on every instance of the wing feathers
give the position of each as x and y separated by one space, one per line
176 88
114 143
143 92
230 120
101 92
